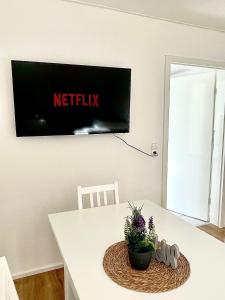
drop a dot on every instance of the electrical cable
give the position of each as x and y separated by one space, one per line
129 145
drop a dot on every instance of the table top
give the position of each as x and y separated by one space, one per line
84 235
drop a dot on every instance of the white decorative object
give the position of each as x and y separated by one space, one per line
168 254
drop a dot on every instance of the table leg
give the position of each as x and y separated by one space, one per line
69 295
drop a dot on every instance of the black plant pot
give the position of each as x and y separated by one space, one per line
140 261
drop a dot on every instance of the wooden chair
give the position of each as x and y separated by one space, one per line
98 190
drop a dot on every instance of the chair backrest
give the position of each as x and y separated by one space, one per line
98 190
7 287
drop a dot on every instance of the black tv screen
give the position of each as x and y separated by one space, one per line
62 99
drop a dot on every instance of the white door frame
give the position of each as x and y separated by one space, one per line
191 62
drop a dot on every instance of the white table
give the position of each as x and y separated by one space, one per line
7 288
83 236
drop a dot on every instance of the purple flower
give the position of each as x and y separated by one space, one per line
151 225
139 223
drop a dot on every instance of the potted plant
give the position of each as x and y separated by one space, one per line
140 241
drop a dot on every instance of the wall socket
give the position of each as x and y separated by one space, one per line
154 149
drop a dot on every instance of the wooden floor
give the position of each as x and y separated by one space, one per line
218 233
50 285
44 286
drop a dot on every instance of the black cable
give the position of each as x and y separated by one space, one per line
129 145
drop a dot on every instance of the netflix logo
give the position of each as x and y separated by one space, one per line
61 99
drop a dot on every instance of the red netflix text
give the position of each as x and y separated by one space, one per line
60 99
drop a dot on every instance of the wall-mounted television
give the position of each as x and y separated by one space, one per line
63 99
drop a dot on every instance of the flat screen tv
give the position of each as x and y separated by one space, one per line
62 99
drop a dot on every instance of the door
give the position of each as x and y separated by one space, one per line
191 115
216 208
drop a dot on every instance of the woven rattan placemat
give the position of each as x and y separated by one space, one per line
157 278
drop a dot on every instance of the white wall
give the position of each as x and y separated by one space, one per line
39 175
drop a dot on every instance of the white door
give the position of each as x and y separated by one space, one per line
190 144
216 209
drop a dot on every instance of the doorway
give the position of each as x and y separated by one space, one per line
193 140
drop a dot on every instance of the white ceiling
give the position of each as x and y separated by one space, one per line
204 13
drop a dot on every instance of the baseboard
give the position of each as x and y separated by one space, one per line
38 270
